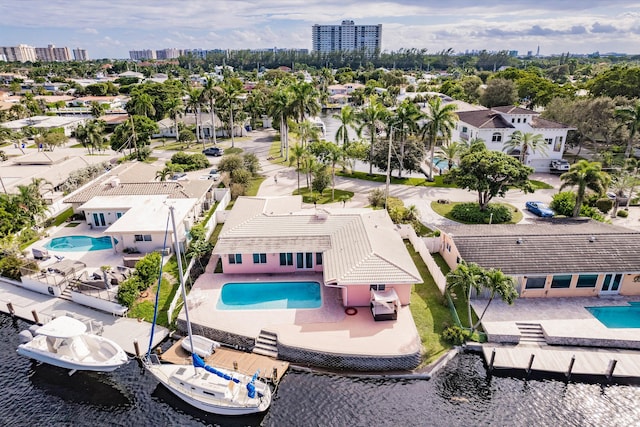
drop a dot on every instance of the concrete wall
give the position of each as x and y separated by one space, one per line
271 266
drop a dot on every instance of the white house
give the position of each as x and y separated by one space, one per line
496 125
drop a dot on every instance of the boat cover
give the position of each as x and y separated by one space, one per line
62 327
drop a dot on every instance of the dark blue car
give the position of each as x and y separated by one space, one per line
540 209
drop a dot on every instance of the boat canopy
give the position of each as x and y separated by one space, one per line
62 327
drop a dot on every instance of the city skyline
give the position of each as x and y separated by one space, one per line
111 30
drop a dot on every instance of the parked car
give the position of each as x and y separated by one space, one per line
179 176
620 197
560 165
214 174
212 151
540 209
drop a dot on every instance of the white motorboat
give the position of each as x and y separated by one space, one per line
203 346
210 389
64 342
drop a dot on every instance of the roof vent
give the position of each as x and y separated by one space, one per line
519 241
592 239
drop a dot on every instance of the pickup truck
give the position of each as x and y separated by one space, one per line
559 165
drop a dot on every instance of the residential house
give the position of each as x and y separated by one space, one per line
355 250
496 125
552 258
69 124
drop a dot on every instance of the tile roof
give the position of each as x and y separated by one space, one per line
512 109
550 247
173 189
360 246
484 119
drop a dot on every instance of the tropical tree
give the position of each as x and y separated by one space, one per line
280 108
164 173
348 119
497 284
91 134
490 173
464 278
210 92
299 155
525 143
97 109
306 131
450 152
175 109
440 120
331 155
584 175
630 117
141 104
194 104
372 117
632 167
304 100
402 123
231 89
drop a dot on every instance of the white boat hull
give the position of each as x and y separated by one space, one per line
103 355
211 393
204 347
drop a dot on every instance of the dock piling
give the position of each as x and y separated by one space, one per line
35 317
136 347
571 362
611 368
12 312
533 356
274 374
493 358
235 365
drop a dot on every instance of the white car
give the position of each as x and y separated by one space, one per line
560 165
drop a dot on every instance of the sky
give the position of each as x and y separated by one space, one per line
111 28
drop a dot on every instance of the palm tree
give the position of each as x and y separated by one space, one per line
91 135
372 118
306 131
440 120
450 152
299 155
175 109
194 103
630 117
525 143
280 108
231 89
97 109
348 119
498 284
584 175
305 100
210 92
465 277
164 173
632 166
404 122
141 105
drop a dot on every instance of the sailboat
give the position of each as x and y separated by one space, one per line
210 389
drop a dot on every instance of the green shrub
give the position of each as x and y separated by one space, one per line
592 213
128 291
455 335
241 176
148 267
604 205
189 162
623 213
376 198
471 213
563 203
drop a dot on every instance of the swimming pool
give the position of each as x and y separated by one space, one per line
79 243
623 316
269 295
442 164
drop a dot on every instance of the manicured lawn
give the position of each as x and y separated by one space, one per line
539 185
415 182
430 312
444 209
325 197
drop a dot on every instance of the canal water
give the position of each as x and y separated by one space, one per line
461 394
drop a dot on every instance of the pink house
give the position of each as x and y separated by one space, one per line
355 250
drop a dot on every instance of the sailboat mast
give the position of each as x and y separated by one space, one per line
181 275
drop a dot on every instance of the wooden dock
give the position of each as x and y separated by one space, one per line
598 362
246 363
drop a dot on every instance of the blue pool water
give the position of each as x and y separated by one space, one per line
79 243
441 163
624 316
269 295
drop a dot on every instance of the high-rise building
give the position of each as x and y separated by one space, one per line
53 54
20 53
80 54
171 53
139 55
346 36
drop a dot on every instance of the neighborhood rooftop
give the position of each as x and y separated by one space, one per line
548 247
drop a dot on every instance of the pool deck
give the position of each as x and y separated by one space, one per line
566 329
326 329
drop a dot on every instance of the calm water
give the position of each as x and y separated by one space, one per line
269 295
618 316
79 243
460 395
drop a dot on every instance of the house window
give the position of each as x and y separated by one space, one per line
561 281
549 141
587 281
377 287
518 120
513 120
464 129
304 260
235 258
524 120
535 282
286 258
318 258
118 215
496 137
448 247
558 145
142 238
259 258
